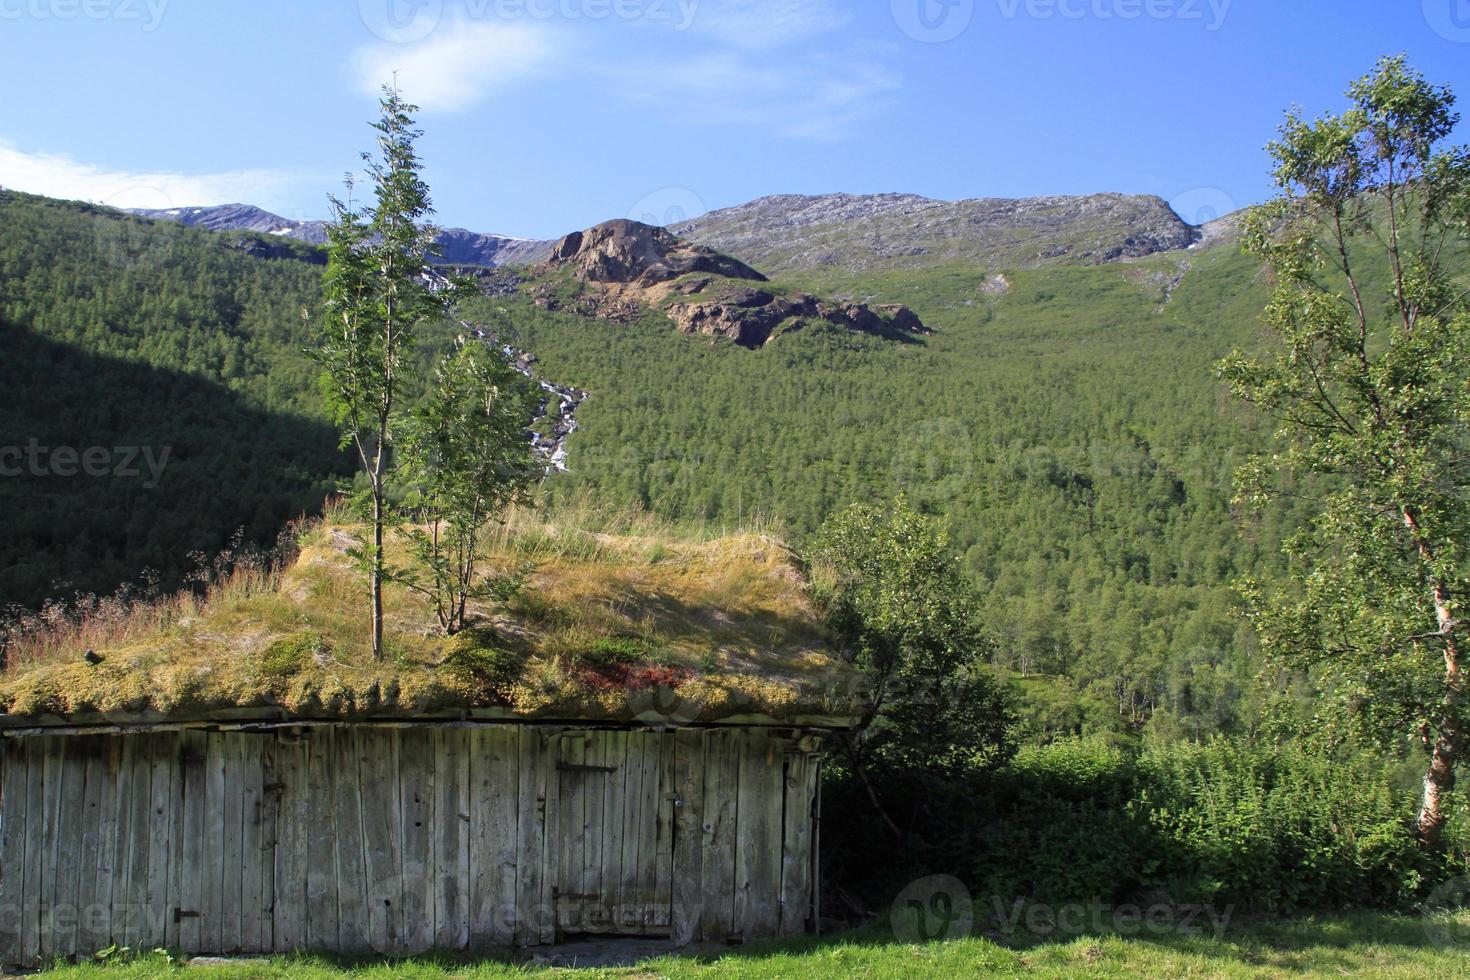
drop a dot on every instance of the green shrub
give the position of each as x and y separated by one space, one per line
1282 829
613 651
475 658
291 654
1262 828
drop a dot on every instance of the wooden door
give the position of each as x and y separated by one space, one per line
613 846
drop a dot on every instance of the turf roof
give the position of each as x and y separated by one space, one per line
634 628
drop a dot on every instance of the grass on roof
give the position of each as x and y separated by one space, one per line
635 622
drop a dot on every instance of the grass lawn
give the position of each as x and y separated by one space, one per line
1373 945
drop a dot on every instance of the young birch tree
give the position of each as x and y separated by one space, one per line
376 295
1367 378
467 458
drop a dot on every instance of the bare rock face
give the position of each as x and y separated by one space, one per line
629 265
903 231
627 252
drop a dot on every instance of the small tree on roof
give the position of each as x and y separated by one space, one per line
376 296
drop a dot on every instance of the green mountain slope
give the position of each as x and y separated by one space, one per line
126 337
1066 419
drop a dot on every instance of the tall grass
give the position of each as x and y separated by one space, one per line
64 629
575 528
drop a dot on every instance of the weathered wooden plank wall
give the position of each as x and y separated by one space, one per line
361 839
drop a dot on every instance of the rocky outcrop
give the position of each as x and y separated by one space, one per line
630 252
627 267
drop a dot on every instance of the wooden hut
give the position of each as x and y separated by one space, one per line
630 748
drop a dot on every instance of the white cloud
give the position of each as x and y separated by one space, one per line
56 175
766 23
816 98
458 65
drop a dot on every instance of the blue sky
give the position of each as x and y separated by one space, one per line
542 116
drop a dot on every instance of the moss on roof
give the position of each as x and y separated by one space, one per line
608 628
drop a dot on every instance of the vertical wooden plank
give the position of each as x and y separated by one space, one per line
122 912
321 842
570 831
758 836
717 921
416 796
140 837
291 843
451 891
173 891
547 902
252 846
688 866
629 902
53 763
192 845
13 790
351 888
30 923
156 913
108 857
482 845
231 888
67 853
378 776
649 848
534 916
91 923
663 864
594 793
494 806
796 844
212 865
615 758
266 749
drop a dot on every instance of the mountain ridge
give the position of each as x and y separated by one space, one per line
855 232
862 232
460 246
